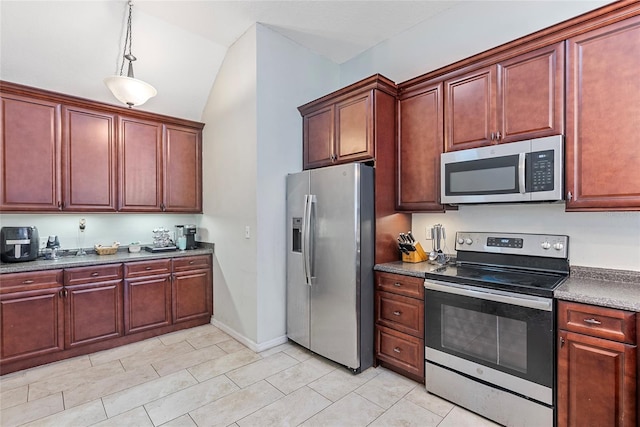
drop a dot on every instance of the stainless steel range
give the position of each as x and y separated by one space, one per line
489 325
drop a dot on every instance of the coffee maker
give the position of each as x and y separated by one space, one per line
19 244
189 232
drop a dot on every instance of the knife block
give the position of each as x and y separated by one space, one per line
419 255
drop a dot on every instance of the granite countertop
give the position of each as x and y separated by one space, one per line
618 289
92 258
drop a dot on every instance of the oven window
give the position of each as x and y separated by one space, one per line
492 338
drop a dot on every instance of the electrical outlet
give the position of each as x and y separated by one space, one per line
247 232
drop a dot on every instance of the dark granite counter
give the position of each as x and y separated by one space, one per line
92 258
618 289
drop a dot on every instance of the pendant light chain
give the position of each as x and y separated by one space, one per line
127 39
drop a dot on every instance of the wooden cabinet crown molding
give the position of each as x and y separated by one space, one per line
69 100
589 21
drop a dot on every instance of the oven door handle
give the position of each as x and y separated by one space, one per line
538 303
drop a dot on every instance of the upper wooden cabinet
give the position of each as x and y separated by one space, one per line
89 160
94 157
342 127
30 145
420 143
603 118
515 99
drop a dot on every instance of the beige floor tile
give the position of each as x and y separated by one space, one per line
125 351
429 401
183 421
13 397
407 414
30 411
305 401
231 345
106 386
181 402
141 394
301 374
298 352
31 375
209 339
277 349
337 384
154 355
187 360
386 388
237 405
135 418
351 410
80 416
221 365
74 379
261 369
185 334
459 417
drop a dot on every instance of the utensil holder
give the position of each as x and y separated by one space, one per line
419 255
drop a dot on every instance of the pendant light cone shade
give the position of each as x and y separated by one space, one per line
128 89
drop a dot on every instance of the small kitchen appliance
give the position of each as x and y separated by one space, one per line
189 232
19 243
489 325
524 171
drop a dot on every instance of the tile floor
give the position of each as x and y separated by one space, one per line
203 377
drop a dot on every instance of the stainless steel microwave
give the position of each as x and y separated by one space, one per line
524 171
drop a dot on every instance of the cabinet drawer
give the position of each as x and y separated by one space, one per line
401 313
147 268
191 263
98 273
398 284
400 350
15 282
602 322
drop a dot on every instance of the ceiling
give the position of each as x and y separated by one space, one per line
70 46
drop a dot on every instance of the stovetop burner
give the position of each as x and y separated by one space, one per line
518 263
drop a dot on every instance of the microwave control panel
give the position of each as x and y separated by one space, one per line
540 166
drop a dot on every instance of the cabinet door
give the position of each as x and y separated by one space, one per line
354 129
183 170
29 154
470 109
531 95
596 382
318 134
191 293
140 165
420 143
93 312
147 303
603 107
89 161
31 324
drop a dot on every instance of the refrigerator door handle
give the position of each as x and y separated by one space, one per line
305 231
310 238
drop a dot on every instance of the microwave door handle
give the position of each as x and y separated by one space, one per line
521 172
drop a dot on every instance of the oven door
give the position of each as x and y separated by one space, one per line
500 338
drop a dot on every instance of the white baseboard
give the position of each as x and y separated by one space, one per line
246 341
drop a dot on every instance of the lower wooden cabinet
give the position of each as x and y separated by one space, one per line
399 338
597 366
31 315
55 314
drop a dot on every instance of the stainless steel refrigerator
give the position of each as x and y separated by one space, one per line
330 253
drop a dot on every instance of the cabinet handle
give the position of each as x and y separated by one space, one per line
27 282
59 205
569 196
561 342
191 262
147 268
397 313
397 285
95 274
63 293
397 350
493 136
498 136
162 207
592 321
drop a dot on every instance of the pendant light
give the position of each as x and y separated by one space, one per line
128 89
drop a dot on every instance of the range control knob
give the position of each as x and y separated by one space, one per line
558 246
460 240
545 245
468 241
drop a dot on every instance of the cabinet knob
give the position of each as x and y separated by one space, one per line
569 196
397 350
498 136
561 342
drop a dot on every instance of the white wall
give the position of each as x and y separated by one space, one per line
251 140
604 239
